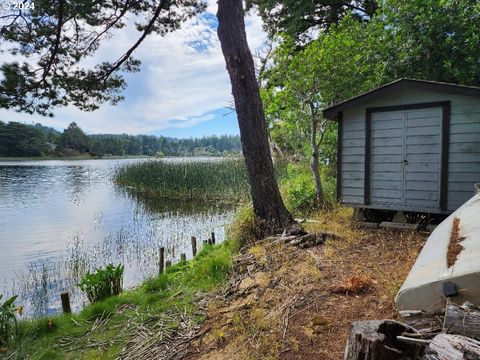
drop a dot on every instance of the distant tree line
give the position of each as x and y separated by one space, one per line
18 139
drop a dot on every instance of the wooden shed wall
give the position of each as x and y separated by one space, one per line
464 145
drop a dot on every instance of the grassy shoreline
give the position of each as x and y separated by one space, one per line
103 329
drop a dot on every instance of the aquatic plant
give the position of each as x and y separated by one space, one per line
224 179
8 321
103 283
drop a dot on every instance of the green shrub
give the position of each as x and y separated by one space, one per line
103 283
8 321
300 194
298 188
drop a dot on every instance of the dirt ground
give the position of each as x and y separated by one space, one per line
291 303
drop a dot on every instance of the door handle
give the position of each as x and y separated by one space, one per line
405 162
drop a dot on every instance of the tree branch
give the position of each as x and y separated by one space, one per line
147 31
112 24
56 44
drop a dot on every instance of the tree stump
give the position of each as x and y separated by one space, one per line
452 347
377 340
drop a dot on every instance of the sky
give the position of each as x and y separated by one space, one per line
182 90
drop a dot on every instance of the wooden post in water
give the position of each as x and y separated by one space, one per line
161 261
65 302
194 246
183 257
168 263
213 238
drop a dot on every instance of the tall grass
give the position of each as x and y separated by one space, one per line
220 180
224 180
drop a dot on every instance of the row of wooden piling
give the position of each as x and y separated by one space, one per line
162 267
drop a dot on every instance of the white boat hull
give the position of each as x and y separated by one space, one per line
423 287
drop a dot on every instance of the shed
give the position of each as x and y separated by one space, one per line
410 145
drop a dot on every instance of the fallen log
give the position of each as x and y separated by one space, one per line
421 320
461 320
452 347
377 340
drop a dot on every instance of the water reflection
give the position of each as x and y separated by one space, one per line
59 219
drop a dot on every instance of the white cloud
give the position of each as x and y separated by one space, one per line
182 81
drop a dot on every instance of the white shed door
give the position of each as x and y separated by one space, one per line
406 158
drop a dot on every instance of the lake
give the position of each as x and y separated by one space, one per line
59 219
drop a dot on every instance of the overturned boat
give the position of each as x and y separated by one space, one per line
448 265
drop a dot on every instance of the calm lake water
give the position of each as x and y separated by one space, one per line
59 219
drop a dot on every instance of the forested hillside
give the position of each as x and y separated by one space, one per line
19 140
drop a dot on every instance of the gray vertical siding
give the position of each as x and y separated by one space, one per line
464 152
422 146
353 158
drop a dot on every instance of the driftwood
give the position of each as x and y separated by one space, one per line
452 347
304 240
377 340
461 320
421 320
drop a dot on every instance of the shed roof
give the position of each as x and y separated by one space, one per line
332 111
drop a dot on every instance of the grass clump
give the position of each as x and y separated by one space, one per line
246 228
223 180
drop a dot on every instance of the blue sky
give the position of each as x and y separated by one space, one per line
182 90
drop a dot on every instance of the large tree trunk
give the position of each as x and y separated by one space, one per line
267 202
